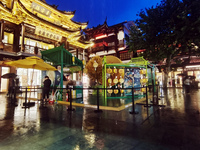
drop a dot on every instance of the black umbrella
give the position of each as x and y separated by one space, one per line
191 77
9 75
181 74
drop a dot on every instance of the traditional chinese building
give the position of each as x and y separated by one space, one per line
30 26
110 40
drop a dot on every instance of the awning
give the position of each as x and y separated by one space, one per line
60 56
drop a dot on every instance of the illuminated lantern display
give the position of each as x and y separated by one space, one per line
121 80
110 91
115 70
95 65
122 91
83 62
73 59
109 80
109 71
115 81
115 91
141 71
121 71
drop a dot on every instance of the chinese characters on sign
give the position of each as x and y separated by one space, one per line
40 9
42 32
192 69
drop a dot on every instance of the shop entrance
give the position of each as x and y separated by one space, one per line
4 82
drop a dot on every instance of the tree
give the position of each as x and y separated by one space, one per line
161 31
90 69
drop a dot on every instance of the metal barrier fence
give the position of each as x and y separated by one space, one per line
149 89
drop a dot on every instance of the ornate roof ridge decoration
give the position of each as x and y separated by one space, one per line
80 23
45 21
68 14
4 8
21 13
104 26
55 9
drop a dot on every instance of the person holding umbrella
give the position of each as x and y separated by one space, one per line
46 88
187 83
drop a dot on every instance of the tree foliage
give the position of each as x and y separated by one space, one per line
90 70
166 31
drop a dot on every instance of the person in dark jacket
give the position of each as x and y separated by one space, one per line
46 88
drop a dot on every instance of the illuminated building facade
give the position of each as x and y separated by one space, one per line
110 40
30 26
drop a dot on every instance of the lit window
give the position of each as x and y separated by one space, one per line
120 35
5 40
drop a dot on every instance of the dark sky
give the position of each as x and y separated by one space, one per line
96 11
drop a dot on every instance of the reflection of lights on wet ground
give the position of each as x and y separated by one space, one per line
77 147
91 139
85 96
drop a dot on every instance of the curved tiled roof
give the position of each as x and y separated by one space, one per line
46 22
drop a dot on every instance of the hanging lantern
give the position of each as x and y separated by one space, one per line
73 59
121 71
110 91
115 91
95 65
143 90
115 70
121 80
115 81
109 80
109 71
83 61
141 71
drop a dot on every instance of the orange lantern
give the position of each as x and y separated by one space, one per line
115 91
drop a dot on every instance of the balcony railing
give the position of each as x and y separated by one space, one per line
28 48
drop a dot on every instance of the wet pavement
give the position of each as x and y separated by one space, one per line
49 127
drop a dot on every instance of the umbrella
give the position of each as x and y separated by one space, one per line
9 75
181 74
190 77
31 62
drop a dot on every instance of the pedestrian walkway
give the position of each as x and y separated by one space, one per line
51 127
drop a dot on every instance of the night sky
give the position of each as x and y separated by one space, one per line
96 11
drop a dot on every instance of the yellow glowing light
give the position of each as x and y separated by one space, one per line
95 64
121 71
110 91
115 70
121 80
73 59
116 91
109 80
109 71
115 81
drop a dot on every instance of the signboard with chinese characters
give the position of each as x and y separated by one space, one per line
40 9
45 33
192 69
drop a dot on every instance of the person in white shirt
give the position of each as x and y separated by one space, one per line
187 83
